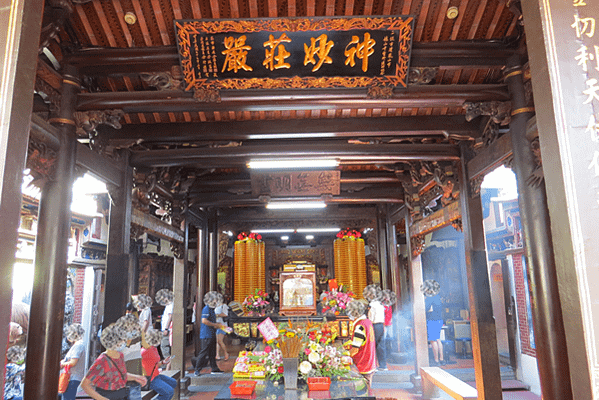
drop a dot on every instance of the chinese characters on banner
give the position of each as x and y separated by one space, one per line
300 183
587 59
298 52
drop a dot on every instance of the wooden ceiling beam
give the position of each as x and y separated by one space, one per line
107 61
227 157
367 196
344 128
269 100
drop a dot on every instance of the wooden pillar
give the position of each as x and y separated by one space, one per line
212 252
118 264
568 138
19 41
180 306
392 256
52 243
383 256
550 339
201 283
418 308
419 312
482 323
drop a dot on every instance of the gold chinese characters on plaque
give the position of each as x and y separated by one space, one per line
295 52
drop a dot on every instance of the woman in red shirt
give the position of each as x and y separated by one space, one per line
150 361
107 377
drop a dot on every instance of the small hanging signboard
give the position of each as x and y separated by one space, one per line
296 183
295 52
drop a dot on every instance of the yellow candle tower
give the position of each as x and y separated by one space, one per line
249 265
350 261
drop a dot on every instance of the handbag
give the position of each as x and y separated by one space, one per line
119 394
63 379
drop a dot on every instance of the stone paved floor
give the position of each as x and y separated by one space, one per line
402 392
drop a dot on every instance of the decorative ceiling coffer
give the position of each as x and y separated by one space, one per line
295 52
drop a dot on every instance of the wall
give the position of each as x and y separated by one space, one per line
529 373
524 318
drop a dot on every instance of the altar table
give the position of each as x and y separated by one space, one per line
340 390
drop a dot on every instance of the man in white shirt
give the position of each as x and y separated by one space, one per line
376 314
143 304
165 298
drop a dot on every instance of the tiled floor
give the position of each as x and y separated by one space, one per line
394 393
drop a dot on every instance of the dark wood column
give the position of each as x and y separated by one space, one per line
392 254
212 251
117 285
482 323
51 248
383 256
202 280
18 58
180 286
418 307
550 337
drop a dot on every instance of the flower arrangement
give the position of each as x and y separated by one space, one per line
249 236
272 359
256 303
349 233
323 360
335 301
316 354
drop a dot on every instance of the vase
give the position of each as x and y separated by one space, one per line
290 373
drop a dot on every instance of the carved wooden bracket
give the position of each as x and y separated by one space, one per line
50 95
417 243
457 225
422 75
380 92
178 249
537 176
165 80
88 121
207 95
136 231
490 133
475 185
500 112
41 161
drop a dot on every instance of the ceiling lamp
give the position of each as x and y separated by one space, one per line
293 205
452 12
310 230
130 18
263 231
292 164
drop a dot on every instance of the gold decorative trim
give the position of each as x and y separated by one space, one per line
523 110
62 121
70 82
513 73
